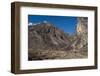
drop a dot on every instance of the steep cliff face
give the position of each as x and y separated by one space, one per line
82 27
81 34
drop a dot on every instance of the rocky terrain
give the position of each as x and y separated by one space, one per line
45 41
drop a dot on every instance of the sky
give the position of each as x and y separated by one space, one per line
65 23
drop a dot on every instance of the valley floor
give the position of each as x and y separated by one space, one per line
56 54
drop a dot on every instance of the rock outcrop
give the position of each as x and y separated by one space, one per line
81 38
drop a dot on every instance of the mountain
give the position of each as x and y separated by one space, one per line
46 36
45 41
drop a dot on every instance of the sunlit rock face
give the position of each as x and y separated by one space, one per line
82 25
81 33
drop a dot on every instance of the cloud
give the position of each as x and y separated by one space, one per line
30 23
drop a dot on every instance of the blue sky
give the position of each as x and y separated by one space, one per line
65 23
